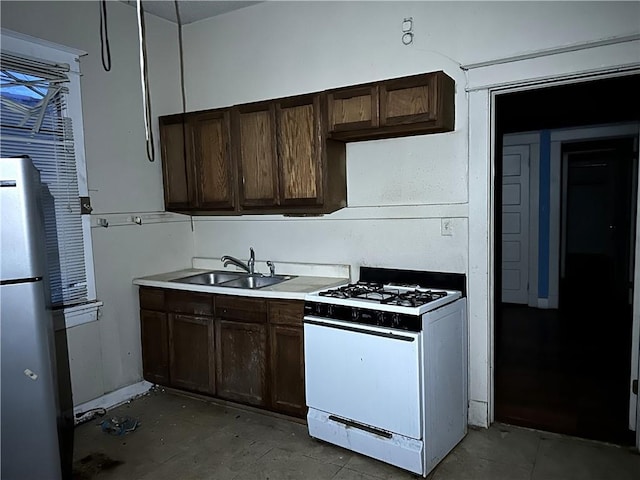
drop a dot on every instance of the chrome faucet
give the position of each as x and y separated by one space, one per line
272 268
248 267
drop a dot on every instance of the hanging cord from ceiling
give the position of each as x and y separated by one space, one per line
105 49
144 78
181 53
182 91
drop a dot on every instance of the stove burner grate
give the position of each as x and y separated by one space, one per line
407 296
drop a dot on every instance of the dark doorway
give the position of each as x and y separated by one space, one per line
567 369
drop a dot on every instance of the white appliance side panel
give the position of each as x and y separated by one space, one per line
445 356
371 379
400 451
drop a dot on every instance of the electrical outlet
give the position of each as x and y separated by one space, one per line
446 227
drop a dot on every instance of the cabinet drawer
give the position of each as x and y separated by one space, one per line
286 312
189 302
151 299
241 308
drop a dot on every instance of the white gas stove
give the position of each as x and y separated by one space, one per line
386 366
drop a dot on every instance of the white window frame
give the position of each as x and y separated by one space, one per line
26 45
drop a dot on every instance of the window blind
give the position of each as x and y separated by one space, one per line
33 122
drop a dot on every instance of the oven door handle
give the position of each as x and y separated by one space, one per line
393 336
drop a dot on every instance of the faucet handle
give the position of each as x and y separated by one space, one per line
272 268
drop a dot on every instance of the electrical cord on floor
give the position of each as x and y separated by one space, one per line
105 48
83 417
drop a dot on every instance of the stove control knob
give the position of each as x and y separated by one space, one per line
330 311
395 320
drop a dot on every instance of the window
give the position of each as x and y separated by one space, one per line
38 118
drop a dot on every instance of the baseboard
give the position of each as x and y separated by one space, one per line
478 414
113 399
543 303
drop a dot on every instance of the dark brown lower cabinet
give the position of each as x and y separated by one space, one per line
287 369
191 353
247 350
155 352
241 361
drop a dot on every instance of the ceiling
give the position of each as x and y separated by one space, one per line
190 10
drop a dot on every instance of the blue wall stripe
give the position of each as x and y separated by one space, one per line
543 214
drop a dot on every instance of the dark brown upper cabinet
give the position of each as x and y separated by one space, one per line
284 160
353 108
413 105
300 150
256 156
288 155
213 172
197 170
176 170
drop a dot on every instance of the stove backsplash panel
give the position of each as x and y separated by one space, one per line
442 280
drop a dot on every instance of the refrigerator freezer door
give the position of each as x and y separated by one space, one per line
21 231
29 442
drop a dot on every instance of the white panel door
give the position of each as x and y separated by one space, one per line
515 224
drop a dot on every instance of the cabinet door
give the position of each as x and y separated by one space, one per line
212 160
254 134
353 108
191 353
287 370
176 170
241 358
426 100
299 150
155 346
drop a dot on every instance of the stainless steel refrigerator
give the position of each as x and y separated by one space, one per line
29 399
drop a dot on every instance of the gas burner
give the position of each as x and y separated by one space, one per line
354 290
404 295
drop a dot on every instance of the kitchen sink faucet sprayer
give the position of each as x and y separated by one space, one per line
248 267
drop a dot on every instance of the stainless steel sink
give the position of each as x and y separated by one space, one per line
232 279
255 281
209 278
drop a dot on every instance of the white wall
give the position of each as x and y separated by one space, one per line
105 355
400 189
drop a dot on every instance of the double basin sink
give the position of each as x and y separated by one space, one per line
233 279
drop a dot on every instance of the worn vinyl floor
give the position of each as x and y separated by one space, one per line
181 438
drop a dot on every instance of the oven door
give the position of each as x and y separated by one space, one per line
365 374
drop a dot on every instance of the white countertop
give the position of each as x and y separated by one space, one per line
295 289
